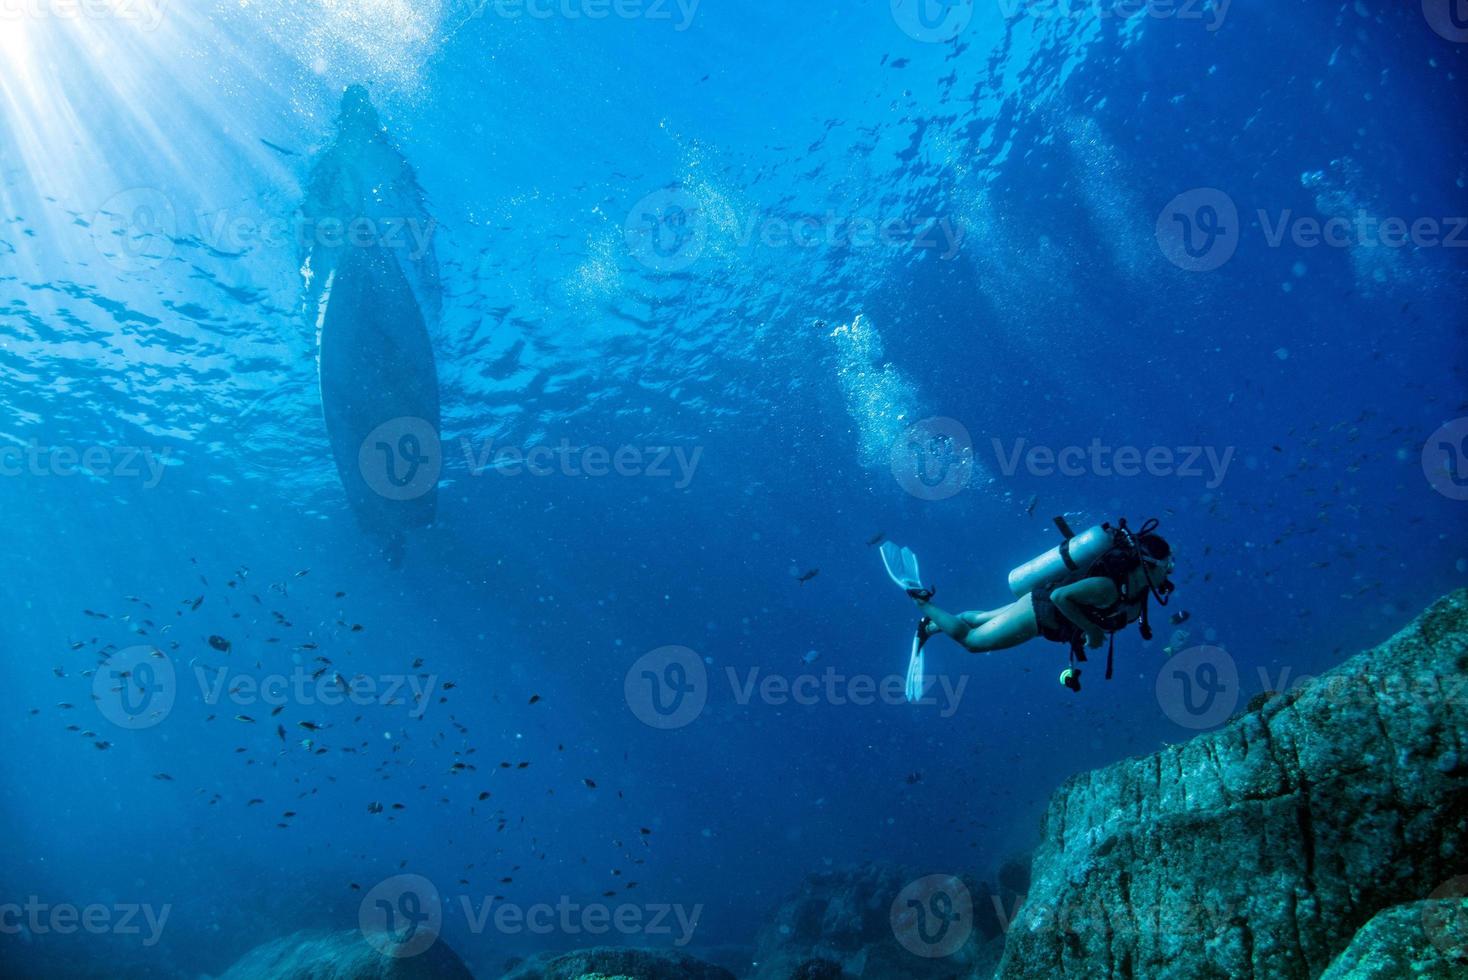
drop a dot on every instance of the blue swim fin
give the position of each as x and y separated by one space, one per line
902 566
915 666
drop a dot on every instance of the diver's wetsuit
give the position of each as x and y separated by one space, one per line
1057 627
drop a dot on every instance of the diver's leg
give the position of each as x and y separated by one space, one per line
978 617
940 621
1013 625
999 630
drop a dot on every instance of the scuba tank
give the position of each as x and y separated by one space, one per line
1105 552
1073 554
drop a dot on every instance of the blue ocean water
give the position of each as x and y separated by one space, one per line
753 287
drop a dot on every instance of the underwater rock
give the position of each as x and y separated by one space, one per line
1014 875
846 917
818 970
616 962
1260 849
342 956
1423 939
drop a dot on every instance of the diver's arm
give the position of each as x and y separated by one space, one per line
1096 593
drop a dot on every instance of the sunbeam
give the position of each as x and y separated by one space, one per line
102 104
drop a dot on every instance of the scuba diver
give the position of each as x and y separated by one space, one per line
1089 588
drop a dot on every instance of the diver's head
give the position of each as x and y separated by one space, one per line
357 111
1156 553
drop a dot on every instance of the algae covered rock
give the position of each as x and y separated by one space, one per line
1260 849
818 970
617 963
1424 939
876 921
343 956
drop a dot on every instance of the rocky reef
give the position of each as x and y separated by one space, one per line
618 963
1270 847
851 923
342 956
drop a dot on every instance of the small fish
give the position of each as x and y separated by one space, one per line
245 718
810 657
535 699
808 576
1178 618
876 539
163 776
374 807
219 643
590 783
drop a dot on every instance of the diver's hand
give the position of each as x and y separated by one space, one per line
1095 639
